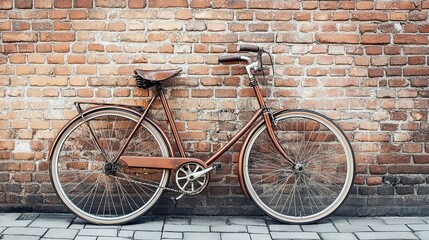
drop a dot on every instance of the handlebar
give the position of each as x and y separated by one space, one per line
232 58
248 48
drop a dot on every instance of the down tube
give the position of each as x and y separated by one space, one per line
235 138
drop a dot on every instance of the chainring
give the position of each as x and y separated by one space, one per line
186 180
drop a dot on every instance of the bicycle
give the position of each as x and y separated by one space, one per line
111 163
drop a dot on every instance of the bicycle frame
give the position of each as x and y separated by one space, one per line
165 163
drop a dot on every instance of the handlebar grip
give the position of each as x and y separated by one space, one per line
248 48
233 58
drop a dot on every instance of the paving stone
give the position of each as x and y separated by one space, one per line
85 238
179 221
247 221
51 222
326 227
9 216
172 235
403 220
146 226
285 228
28 216
61 233
254 236
235 236
338 236
147 235
112 238
385 235
352 228
93 226
229 228
419 227
365 221
422 234
57 215
338 220
25 231
16 237
17 223
126 233
201 236
257 229
210 221
390 228
98 232
186 228
294 235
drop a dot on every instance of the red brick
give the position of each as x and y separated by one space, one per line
63 3
6 4
410 39
82 4
219 38
57 36
214 15
19 37
167 4
416 71
88 25
393 159
376 39
77 14
43 3
110 3
370 16
337 38
23 3
269 4
200 4
229 4
136 3
421 159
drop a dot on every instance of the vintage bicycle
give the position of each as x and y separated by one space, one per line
111 163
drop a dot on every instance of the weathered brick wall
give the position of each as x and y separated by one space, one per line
363 63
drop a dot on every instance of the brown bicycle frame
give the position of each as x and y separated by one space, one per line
262 111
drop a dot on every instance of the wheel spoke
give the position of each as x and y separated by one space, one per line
115 195
310 190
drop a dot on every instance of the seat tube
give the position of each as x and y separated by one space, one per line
171 121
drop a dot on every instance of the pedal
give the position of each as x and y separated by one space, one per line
175 200
217 166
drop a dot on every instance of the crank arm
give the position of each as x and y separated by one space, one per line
200 173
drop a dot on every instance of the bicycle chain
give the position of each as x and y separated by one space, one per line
151 185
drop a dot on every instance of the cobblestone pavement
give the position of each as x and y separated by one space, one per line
31 226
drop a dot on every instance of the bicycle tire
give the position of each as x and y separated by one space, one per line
85 183
320 181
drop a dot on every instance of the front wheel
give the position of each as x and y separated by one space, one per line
90 183
319 181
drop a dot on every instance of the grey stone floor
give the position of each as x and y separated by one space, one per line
31 226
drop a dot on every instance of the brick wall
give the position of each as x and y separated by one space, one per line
362 63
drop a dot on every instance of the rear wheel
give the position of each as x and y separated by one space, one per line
316 185
90 183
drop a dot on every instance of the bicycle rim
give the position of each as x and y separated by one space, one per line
88 182
321 179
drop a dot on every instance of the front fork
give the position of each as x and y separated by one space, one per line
269 119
